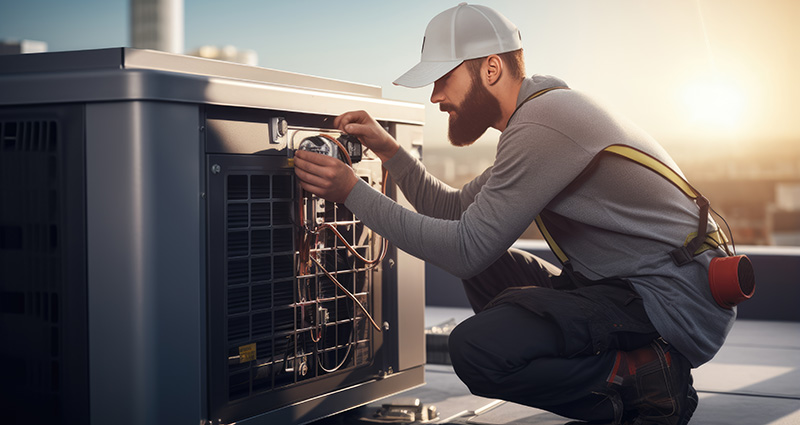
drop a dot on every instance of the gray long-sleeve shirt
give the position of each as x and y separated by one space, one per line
620 221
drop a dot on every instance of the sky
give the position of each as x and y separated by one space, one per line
710 72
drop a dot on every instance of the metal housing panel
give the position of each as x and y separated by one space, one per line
41 78
126 58
410 277
145 268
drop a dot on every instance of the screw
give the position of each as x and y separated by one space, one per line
283 127
216 168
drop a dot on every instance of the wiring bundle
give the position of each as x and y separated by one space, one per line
325 256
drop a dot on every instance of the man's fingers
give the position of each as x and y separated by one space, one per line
314 158
324 176
357 123
310 187
346 118
308 171
316 164
318 170
358 130
311 178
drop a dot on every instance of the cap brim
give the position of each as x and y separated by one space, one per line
425 73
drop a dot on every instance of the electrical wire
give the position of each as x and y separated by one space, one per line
730 232
350 247
384 245
342 149
305 259
346 355
319 334
305 249
348 293
304 245
318 328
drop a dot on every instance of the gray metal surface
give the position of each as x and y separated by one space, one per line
145 262
411 280
127 58
129 74
150 59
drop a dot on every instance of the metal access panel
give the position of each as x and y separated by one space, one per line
159 263
293 305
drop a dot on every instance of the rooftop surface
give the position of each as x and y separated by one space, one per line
753 380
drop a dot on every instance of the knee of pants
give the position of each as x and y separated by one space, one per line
455 342
468 362
462 347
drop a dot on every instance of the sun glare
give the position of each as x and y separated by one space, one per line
714 104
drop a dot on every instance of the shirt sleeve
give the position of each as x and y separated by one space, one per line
533 164
426 193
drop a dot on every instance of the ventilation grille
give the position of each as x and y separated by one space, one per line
282 329
31 255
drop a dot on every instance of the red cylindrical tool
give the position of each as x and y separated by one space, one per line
732 280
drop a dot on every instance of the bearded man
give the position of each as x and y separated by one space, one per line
612 335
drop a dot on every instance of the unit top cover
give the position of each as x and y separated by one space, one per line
131 74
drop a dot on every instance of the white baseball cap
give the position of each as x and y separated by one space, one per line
467 31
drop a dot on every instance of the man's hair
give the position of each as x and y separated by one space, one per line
513 63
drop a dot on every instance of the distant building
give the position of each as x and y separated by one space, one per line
786 216
15 47
756 189
786 228
228 54
157 25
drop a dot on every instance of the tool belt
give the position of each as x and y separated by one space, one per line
731 278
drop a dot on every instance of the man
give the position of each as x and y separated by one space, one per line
613 336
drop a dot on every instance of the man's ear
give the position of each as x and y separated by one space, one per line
492 69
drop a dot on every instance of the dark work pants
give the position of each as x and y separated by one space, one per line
546 339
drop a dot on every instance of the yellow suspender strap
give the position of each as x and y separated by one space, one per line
534 96
649 161
550 241
543 91
712 240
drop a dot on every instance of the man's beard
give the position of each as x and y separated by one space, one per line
476 114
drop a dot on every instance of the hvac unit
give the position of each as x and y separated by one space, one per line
159 263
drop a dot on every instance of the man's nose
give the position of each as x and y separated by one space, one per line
437 95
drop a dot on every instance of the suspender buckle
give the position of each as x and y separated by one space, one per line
681 256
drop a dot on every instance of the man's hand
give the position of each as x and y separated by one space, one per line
324 176
369 132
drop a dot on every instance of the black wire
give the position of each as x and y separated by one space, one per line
733 243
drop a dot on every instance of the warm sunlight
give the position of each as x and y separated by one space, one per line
714 104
